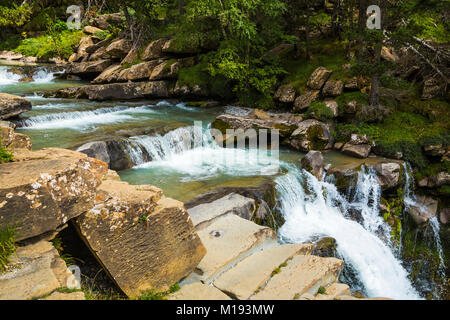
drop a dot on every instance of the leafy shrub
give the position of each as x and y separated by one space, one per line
320 111
5 154
49 46
103 34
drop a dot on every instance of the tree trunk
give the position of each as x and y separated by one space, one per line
181 7
129 19
308 54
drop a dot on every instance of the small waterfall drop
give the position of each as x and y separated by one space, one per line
7 77
410 200
321 211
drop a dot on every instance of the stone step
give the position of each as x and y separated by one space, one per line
251 273
198 291
302 274
228 239
36 270
205 213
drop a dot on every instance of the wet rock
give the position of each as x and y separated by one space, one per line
359 151
325 247
338 145
143 239
318 78
285 93
118 49
389 174
311 134
437 150
12 106
54 186
186 91
96 149
154 50
333 88
88 69
424 209
36 270
142 70
444 215
313 163
303 101
344 178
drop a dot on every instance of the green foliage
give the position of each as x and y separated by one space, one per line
15 16
157 295
321 290
7 246
103 34
357 96
5 154
318 110
49 46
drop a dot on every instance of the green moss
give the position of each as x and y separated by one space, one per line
346 97
7 246
220 125
321 290
318 110
316 135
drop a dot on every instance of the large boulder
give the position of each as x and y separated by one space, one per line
42 190
389 174
36 270
82 54
318 78
90 30
118 49
144 240
154 50
333 88
357 150
313 163
303 101
110 75
12 106
285 94
88 69
311 134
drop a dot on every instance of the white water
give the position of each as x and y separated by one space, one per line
43 76
7 77
193 152
410 200
323 211
76 119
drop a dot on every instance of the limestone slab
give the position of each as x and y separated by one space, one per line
251 273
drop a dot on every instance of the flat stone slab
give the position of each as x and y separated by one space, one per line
228 238
198 291
336 289
303 274
251 273
232 203
36 270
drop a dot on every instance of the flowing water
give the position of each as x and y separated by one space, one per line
186 161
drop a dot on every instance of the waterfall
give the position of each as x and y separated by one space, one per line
76 119
7 77
314 208
44 76
410 200
193 152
